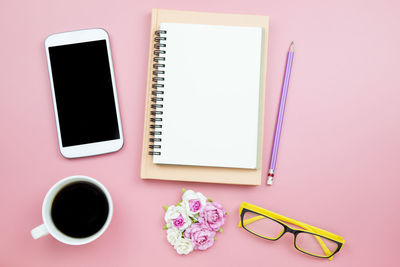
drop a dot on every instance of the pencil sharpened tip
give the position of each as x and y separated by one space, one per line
291 47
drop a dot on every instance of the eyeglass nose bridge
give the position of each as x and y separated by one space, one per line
290 230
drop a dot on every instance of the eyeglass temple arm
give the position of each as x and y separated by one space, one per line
320 241
253 219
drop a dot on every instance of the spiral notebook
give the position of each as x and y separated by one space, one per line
205 97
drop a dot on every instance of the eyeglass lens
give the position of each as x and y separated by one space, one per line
315 245
262 226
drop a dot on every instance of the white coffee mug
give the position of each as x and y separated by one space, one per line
48 226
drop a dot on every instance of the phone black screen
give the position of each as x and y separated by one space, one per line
84 93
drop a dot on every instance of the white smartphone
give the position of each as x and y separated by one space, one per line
84 93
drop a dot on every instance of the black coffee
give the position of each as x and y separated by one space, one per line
79 209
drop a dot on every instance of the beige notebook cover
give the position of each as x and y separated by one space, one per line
149 170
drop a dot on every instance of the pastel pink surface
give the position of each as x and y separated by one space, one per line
338 164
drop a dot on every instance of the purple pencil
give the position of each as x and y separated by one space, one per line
279 120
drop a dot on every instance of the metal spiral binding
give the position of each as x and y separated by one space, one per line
157 92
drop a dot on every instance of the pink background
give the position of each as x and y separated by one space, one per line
338 166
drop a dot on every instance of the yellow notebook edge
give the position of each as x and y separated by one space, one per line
207 174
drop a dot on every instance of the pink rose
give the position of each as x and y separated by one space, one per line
202 238
212 215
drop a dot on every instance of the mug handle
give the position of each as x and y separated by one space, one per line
39 231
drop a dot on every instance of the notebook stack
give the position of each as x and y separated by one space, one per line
205 97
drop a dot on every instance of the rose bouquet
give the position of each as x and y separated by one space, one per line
193 223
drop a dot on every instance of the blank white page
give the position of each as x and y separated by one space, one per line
211 96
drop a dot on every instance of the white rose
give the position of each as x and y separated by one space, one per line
177 217
173 235
184 246
193 202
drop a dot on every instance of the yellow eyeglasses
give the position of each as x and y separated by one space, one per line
272 226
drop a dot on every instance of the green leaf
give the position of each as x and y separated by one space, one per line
165 208
215 238
226 213
220 230
164 227
183 190
209 200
